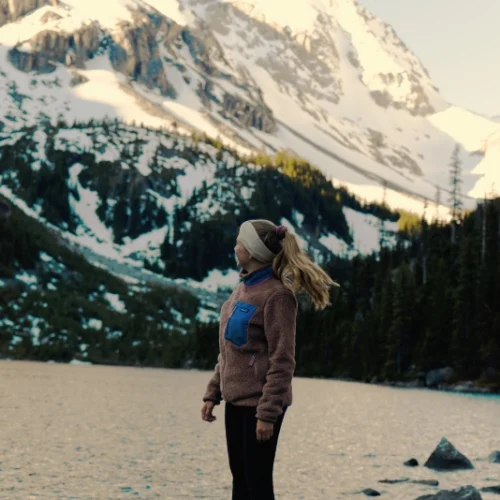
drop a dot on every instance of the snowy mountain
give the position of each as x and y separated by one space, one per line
136 135
324 80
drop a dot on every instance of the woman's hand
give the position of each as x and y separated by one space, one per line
206 412
264 431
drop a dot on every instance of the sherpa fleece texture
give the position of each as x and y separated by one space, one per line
257 347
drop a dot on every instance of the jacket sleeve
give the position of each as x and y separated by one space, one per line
213 392
280 318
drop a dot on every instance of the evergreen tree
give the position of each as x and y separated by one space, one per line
401 340
465 345
489 290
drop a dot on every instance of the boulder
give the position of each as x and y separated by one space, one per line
412 462
462 493
494 458
369 492
446 457
435 378
491 489
425 482
489 374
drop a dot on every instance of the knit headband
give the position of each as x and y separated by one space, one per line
252 242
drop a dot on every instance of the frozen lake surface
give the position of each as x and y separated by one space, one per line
93 432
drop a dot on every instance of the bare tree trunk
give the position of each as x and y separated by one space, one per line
483 232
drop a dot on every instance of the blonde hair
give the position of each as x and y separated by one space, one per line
292 266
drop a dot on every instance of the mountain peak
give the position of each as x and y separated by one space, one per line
325 80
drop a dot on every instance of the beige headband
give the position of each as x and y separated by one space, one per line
255 246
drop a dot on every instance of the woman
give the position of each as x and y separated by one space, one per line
257 351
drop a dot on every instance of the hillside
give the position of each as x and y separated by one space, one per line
146 198
55 306
423 305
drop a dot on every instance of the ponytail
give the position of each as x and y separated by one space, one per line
292 266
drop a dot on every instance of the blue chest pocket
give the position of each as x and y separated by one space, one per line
237 325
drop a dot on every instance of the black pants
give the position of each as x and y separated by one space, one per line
251 462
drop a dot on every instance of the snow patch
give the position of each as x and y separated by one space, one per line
40 138
93 324
147 246
216 280
207 316
115 302
366 231
336 245
27 278
84 206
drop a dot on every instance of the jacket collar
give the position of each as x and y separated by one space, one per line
256 277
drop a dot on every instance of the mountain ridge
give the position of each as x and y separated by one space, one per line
330 71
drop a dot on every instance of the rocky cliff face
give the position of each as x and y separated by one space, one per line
248 115
417 102
136 51
141 50
49 47
12 10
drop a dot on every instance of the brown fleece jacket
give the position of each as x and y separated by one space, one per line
257 347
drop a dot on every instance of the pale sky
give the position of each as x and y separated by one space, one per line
458 41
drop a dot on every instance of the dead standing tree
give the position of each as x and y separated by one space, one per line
455 192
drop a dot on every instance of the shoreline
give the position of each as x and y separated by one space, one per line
463 387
